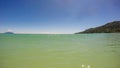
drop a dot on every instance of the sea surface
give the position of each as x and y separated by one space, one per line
60 50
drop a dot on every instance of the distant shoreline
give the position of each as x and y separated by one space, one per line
112 27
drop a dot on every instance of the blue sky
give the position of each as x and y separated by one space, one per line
56 16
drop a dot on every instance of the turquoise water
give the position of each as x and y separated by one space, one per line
60 51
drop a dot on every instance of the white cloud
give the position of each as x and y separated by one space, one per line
10 30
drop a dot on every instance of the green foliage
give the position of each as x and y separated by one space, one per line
112 27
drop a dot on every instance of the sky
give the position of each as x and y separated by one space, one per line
56 16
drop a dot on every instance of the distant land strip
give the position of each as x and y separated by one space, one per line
111 27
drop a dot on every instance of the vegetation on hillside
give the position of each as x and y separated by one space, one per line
112 27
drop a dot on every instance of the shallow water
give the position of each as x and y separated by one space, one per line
60 51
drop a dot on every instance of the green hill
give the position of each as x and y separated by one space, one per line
112 27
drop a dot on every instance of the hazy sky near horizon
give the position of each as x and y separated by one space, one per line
56 16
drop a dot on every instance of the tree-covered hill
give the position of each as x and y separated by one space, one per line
112 27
